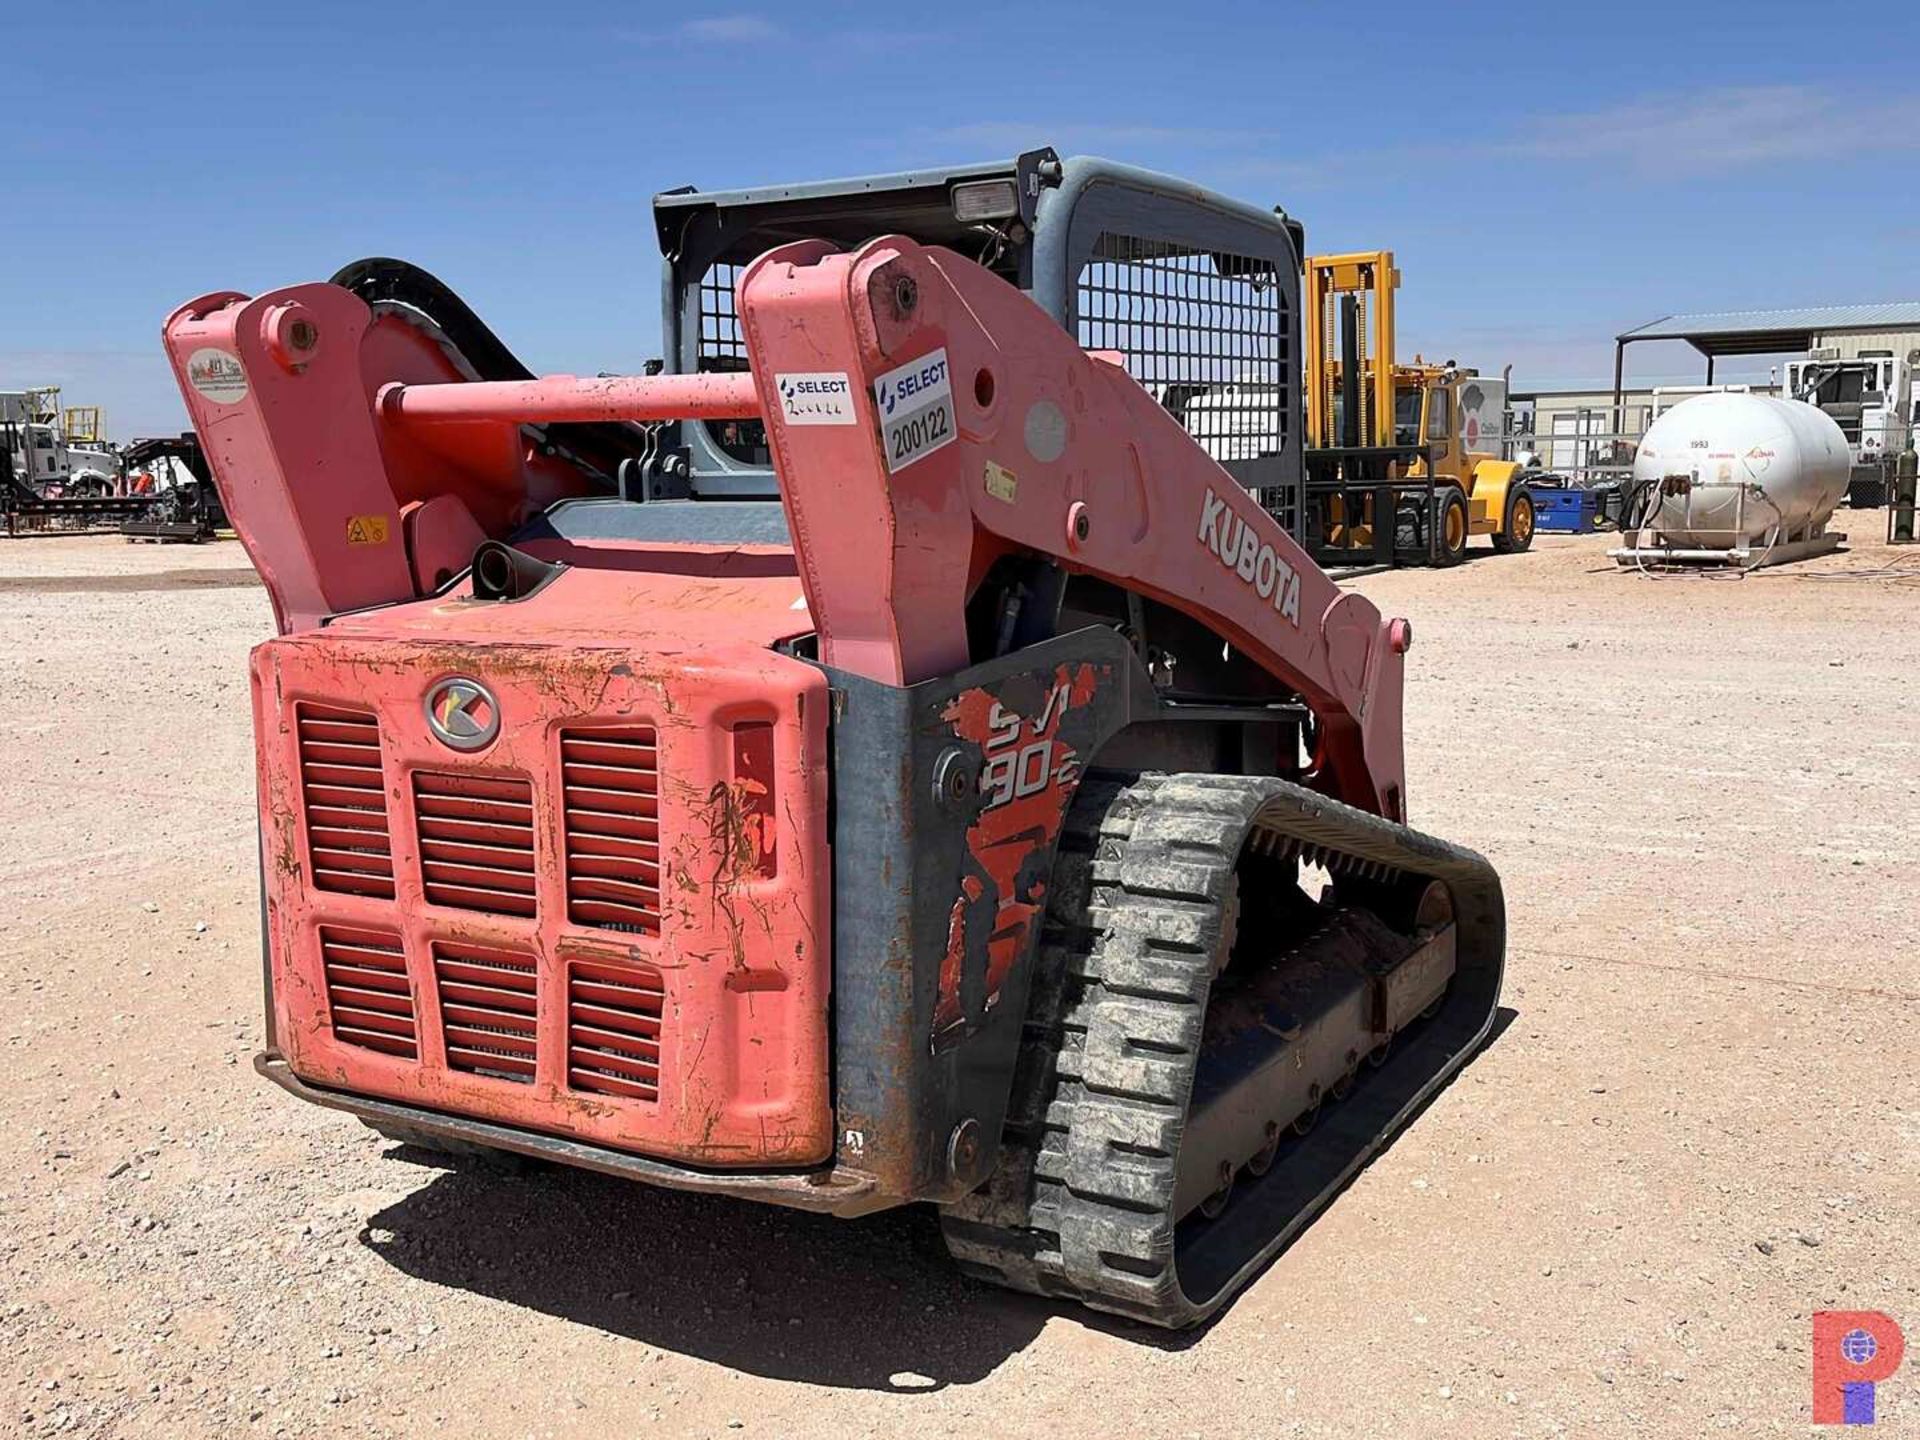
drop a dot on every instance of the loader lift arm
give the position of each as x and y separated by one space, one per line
1098 477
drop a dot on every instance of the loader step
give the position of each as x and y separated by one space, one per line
1194 1015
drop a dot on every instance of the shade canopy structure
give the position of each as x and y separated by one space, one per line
1763 332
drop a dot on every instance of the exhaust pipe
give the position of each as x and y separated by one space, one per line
501 572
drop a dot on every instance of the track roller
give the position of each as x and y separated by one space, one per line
1196 1011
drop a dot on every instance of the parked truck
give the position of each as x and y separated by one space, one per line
1872 397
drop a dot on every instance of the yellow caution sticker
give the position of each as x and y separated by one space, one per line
1001 482
367 530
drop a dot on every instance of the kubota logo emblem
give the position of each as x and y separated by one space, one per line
463 714
1239 547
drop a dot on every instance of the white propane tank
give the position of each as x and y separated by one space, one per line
1755 462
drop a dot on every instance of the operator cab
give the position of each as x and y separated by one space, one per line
1407 408
1196 293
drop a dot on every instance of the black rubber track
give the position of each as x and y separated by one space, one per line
1080 1206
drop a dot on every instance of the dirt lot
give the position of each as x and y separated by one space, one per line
1699 1125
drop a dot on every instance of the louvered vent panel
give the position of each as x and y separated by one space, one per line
610 780
369 999
613 1030
488 1010
348 848
476 841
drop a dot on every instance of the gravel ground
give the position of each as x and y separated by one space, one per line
1697 1126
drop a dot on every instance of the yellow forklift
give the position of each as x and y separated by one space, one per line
1395 472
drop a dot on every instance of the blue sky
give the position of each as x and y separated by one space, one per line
1548 175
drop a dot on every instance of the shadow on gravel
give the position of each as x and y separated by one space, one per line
871 1304
1503 1016
779 1293
228 579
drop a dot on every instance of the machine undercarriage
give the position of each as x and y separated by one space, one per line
1211 1052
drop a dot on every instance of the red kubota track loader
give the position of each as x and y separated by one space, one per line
884 758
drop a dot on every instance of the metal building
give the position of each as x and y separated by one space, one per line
1850 329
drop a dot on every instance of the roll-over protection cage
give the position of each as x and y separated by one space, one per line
1198 294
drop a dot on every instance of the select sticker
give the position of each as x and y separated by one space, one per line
216 374
916 409
816 397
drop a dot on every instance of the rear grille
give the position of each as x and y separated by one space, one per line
369 999
487 1010
476 841
613 1030
610 781
348 847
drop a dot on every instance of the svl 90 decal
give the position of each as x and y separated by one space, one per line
1029 771
1023 761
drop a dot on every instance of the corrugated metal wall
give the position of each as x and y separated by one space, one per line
1898 341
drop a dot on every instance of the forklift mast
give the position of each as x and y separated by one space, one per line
1348 299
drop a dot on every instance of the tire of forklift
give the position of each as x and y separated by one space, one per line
1516 535
1409 533
1450 526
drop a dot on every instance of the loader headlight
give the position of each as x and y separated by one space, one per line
978 200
